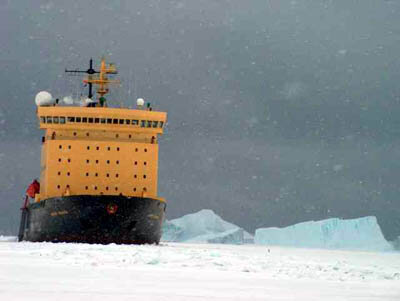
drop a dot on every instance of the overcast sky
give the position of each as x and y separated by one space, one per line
279 111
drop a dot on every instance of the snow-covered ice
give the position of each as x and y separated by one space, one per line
177 271
357 234
203 226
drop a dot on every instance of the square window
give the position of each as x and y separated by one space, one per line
97 120
78 119
84 119
49 119
42 119
55 119
143 123
121 121
161 124
115 121
135 122
109 120
62 120
155 124
90 120
127 121
71 119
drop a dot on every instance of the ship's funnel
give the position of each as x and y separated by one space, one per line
44 98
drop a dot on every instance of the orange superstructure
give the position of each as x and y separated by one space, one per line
98 150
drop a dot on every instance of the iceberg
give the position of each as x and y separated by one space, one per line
203 226
334 233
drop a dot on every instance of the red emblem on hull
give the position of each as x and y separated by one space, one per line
112 208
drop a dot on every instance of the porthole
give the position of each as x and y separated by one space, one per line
96 174
74 133
95 187
134 189
60 146
69 160
117 149
59 173
144 176
87 161
87 174
107 188
108 175
88 148
86 187
136 149
69 146
68 174
144 189
116 175
87 134
108 161
67 185
145 150
97 148
108 148
58 186
130 136
117 162
144 163
59 159
97 161
116 136
135 176
116 188
135 162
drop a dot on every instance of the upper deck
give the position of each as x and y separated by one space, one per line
102 119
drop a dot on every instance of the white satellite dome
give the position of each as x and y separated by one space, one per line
140 102
44 98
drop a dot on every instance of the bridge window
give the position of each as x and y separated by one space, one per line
71 119
127 121
62 120
143 123
149 123
49 119
161 124
135 122
155 124
55 119
97 120
84 119
78 119
90 120
42 119
121 121
115 121
103 120
109 120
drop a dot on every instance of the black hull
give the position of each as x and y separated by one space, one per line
95 219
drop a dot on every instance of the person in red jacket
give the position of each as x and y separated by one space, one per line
33 189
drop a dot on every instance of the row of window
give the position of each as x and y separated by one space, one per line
107 188
107 175
107 161
108 148
132 122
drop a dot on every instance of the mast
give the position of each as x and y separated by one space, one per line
101 80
